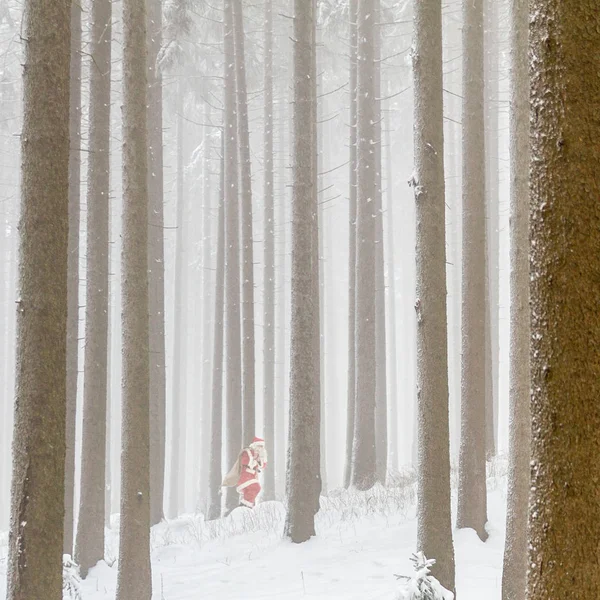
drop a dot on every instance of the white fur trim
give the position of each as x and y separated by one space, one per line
246 503
246 484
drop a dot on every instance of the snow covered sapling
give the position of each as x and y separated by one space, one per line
71 580
422 585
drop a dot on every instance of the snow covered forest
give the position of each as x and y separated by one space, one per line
299 298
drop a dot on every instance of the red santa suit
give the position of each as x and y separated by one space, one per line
252 461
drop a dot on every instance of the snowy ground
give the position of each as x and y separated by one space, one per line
362 541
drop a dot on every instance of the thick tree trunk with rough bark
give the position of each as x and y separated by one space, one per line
38 491
233 372
89 546
216 436
351 392
303 469
472 495
434 530
564 509
364 451
514 573
156 263
73 274
134 577
248 349
269 258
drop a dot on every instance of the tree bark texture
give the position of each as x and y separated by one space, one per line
89 547
364 451
514 573
248 342
565 283
351 408
434 527
269 258
156 262
73 271
303 468
233 373
134 577
39 446
472 495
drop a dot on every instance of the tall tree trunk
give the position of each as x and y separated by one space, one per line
216 437
564 522
472 496
303 470
434 530
364 454
232 260
89 546
352 208
156 263
248 349
269 257
381 420
278 461
39 447
73 274
491 68
391 312
134 577
207 339
179 415
514 573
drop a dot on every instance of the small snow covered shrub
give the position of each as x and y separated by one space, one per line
422 585
71 581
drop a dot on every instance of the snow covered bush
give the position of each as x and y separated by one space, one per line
71 581
422 585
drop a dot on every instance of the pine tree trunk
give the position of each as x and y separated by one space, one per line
381 420
352 207
156 263
134 577
514 573
248 349
472 496
303 470
364 454
564 522
434 530
232 261
89 546
391 312
73 275
216 437
39 442
269 258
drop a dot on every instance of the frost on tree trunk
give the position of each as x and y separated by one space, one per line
434 529
303 482
565 285
472 500
89 544
134 577
514 573
73 271
269 258
363 453
216 436
38 491
248 349
233 373
156 263
352 251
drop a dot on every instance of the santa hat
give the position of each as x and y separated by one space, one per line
258 441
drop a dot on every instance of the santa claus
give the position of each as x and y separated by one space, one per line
244 474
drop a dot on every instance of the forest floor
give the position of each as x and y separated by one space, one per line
363 539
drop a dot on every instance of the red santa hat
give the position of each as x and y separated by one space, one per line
258 441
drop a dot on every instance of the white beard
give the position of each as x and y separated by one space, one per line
261 452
